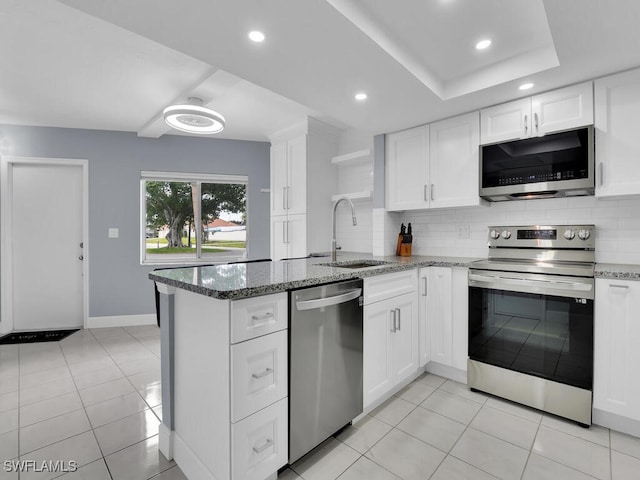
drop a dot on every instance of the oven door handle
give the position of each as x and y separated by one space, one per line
552 286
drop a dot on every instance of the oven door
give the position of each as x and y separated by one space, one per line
536 324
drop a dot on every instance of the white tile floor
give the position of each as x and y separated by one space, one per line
95 398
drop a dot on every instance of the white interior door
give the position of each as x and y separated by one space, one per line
45 245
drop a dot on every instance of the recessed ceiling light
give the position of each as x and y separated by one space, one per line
482 44
526 86
194 118
361 96
256 36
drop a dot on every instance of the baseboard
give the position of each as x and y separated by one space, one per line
446 371
122 321
165 443
616 422
188 461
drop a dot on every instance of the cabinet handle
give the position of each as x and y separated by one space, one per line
264 446
284 198
432 190
266 372
265 316
613 285
393 320
424 281
398 317
526 124
535 121
601 173
426 193
284 233
287 231
288 190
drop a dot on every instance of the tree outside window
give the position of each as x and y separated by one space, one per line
189 220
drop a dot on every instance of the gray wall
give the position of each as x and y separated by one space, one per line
118 284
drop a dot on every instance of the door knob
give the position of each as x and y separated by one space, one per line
81 257
81 244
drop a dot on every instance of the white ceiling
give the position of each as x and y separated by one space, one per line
115 65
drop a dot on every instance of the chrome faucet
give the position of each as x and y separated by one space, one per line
334 255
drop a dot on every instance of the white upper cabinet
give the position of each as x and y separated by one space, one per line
433 166
289 177
617 112
407 169
453 159
554 111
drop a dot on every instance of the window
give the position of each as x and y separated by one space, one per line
193 218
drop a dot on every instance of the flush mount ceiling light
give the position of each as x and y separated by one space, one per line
525 86
482 44
256 36
360 96
192 117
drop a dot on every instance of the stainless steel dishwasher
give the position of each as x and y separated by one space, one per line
325 362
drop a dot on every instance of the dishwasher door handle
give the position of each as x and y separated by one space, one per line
328 301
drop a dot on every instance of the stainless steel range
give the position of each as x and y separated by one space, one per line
531 318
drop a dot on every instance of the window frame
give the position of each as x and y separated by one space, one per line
197 258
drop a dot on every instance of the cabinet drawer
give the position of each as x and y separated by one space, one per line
258 374
390 285
253 317
260 443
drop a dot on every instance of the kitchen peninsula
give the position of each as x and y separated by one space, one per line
224 357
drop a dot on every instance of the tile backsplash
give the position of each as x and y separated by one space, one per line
438 232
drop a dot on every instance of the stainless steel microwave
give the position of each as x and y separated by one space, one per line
554 165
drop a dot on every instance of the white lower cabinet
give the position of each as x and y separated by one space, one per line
616 383
443 318
390 335
289 236
260 443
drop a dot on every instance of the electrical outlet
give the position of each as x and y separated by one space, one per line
463 232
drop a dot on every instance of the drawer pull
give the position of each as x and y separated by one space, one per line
264 446
265 316
613 285
262 374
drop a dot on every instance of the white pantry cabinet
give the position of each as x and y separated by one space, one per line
301 175
390 346
617 122
616 383
433 166
443 320
553 111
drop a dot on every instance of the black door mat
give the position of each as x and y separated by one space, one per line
33 337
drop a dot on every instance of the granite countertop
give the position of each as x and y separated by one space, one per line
617 270
242 280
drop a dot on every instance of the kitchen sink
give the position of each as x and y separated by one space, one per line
354 264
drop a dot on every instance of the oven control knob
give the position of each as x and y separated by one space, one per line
494 234
506 234
569 234
584 234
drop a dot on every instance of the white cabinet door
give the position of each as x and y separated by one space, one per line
460 317
616 383
407 169
453 159
405 337
377 350
617 122
296 236
279 246
424 344
296 199
279 179
505 122
562 109
439 314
